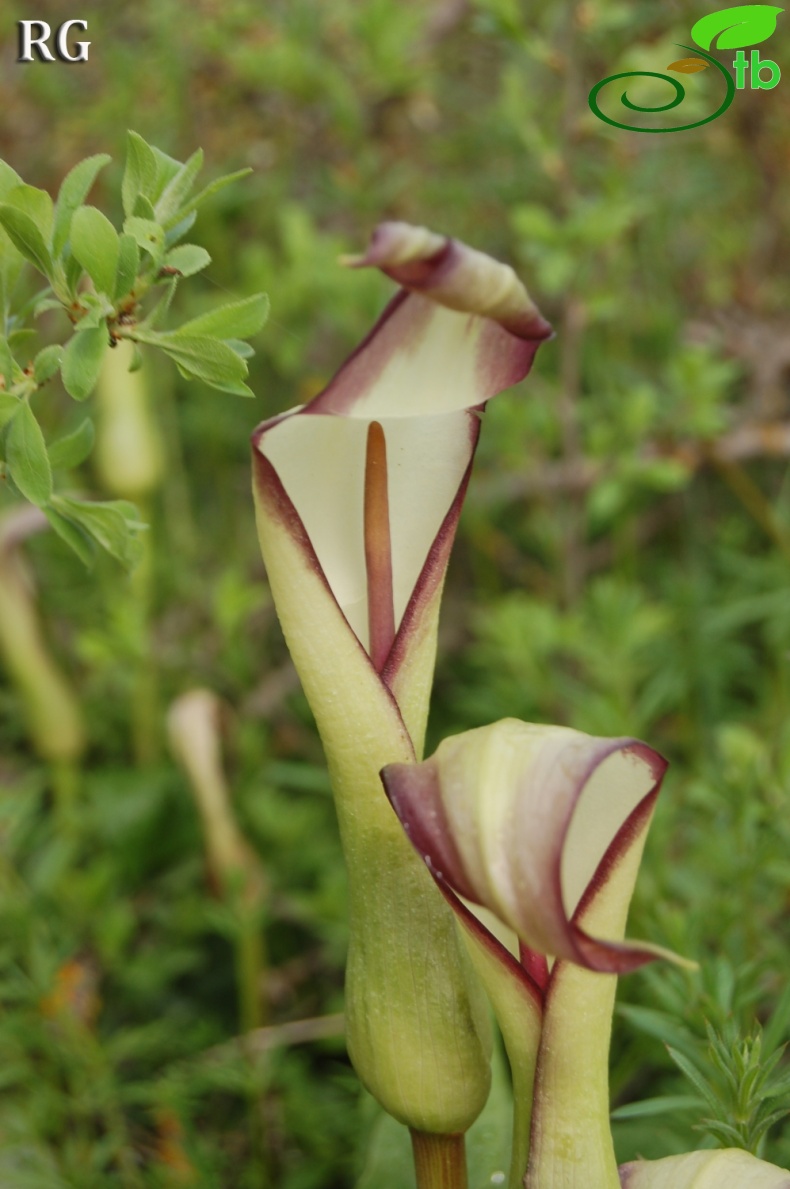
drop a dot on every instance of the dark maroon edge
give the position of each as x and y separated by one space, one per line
417 276
535 964
273 493
424 844
422 273
556 858
492 944
435 846
616 957
658 766
324 397
434 566
430 271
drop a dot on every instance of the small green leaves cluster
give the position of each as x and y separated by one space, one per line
740 1085
739 1075
111 284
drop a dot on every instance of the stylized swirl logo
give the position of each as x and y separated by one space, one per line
732 28
680 95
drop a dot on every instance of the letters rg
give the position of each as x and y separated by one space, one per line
34 35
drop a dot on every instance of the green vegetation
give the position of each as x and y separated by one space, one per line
622 562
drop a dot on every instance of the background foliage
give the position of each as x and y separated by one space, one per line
622 562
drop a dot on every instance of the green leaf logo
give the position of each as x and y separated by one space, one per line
688 65
746 24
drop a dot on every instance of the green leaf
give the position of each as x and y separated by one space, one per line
128 265
11 262
114 525
660 1025
6 363
36 204
188 259
73 448
46 303
746 24
143 208
203 358
209 190
9 407
9 179
73 273
177 189
237 319
96 308
73 191
94 242
26 237
166 168
26 456
74 536
82 360
21 338
139 177
695 1077
175 233
47 363
162 306
149 236
241 348
648 1108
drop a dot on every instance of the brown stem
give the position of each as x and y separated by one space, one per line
439 1161
743 486
378 548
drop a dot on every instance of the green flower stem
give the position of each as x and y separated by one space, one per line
145 711
66 779
439 1161
250 974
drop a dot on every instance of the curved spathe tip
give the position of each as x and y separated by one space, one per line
530 822
454 275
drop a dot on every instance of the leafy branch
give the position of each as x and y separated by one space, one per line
111 285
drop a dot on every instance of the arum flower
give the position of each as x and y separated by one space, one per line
727 1168
193 730
358 496
193 727
544 827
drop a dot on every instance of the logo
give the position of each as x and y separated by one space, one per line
40 42
731 29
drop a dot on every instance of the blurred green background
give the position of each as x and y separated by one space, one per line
622 561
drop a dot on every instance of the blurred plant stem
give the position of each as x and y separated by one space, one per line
66 778
145 711
439 1161
193 726
751 497
130 462
52 708
250 967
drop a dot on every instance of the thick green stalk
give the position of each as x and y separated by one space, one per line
66 777
439 1161
250 968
